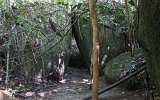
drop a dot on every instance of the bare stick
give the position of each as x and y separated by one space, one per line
7 68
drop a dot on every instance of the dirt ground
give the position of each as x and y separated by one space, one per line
75 87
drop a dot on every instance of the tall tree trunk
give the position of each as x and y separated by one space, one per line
149 36
95 55
129 27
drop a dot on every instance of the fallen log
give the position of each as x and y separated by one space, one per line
141 67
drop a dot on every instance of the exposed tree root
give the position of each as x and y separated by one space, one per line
141 67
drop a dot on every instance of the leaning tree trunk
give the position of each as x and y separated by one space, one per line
95 55
149 34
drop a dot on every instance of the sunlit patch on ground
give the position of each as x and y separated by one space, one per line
83 81
63 81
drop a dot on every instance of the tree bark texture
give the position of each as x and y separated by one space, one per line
149 36
129 26
95 55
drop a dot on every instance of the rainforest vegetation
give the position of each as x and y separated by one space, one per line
79 49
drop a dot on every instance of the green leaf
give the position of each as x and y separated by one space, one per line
131 2
74 7
79 5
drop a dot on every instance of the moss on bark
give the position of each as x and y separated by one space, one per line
149 34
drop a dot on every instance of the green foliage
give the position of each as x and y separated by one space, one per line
1 3
132 3
77 6
112 15
112 23
28 21
31 34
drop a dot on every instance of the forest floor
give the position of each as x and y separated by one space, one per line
75 87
